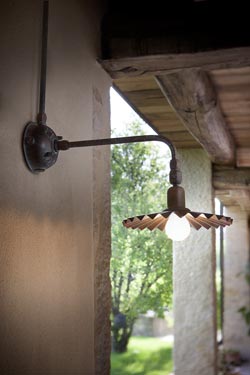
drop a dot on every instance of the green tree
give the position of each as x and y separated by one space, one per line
141 264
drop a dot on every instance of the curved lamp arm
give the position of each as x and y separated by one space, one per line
41 147
65 145
175 173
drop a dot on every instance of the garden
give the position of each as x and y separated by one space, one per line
144 356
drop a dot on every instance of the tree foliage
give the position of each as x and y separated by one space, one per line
141 264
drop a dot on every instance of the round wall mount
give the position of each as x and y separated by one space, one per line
39 148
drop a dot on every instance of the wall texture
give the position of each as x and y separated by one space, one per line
194 276
50 271
236 289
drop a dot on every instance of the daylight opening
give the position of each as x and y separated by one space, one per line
141 262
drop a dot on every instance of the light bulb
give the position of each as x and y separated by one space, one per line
177 228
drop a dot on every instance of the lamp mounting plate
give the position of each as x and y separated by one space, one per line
39 147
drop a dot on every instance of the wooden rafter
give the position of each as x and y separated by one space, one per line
236 197
232 186
229 178
192 96
174 62
243 157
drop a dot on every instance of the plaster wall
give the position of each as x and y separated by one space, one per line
194 276
50 293
236 289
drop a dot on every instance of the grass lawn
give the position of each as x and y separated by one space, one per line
145 356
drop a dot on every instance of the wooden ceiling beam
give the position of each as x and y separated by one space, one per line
165 63
238 197
230 178
243 157
232 186
192 96
243 198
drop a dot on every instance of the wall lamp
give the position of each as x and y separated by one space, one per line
41 147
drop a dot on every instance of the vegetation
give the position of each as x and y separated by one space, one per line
145 356
141 264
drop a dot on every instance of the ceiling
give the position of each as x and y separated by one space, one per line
189 79
233 93
145 96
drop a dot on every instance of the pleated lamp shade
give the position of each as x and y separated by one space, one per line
176 205
160 219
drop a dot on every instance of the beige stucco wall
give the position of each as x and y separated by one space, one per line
194 282
236 289
49 269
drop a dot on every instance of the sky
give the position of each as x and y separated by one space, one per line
122 114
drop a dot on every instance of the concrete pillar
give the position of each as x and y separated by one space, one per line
194 276
236 289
